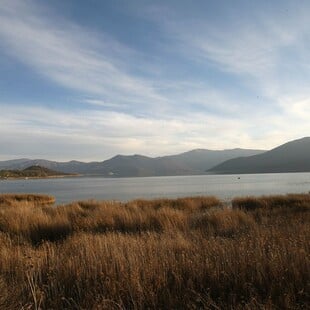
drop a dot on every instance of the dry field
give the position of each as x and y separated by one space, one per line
189 253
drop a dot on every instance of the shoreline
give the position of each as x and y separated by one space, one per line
41 177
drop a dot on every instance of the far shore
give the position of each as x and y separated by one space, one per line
42 177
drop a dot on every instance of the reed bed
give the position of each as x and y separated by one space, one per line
283 202
25 199
189 253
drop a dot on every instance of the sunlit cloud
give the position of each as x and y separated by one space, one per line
111 132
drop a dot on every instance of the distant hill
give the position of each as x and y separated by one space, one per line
200 160
293 156
30 172
189 163
67 167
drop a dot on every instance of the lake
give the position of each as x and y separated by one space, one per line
223 186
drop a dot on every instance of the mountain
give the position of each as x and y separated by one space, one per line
293 156
30 172
188 163
137 165
200 160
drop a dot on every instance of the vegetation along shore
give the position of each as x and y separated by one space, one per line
187 253
33 172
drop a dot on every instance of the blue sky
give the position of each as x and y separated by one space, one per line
90 79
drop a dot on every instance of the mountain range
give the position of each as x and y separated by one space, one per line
293 156
190 163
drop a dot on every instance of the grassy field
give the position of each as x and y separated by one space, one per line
189 253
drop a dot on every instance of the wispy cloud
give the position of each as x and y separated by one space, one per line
250 44
266 51
99 68
73 57
264 47
102 103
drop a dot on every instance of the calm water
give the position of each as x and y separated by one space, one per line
224 186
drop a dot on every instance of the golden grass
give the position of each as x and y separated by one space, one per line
291 201
25 199
188 253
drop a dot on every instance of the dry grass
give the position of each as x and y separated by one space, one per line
25 199
185 253
294 202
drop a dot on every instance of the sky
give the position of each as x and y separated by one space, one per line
87 80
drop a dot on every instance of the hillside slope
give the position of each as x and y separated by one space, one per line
293 156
